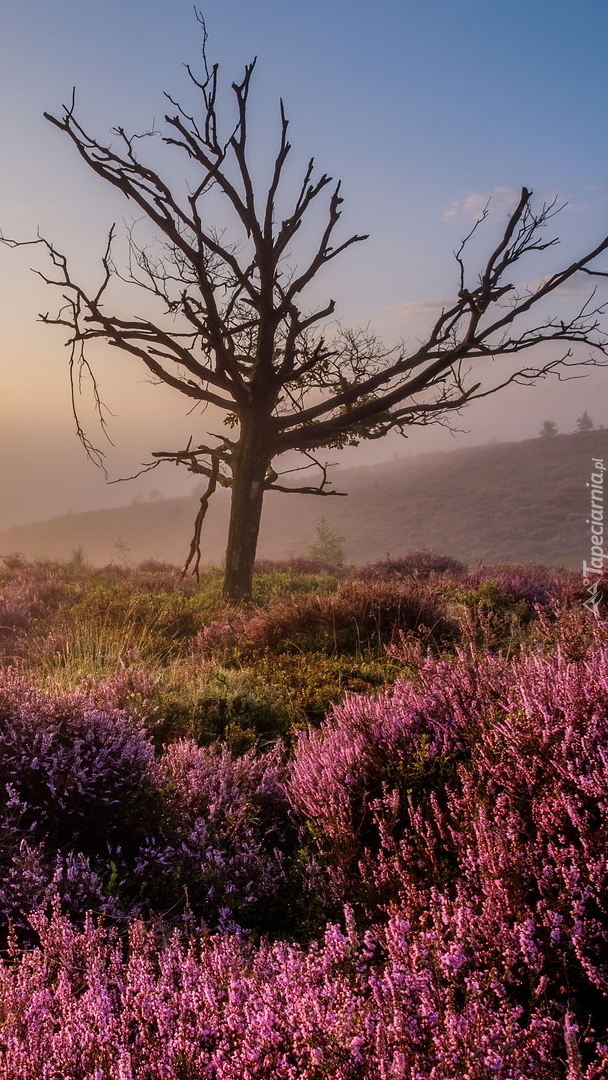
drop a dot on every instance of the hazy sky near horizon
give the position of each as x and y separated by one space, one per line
423 109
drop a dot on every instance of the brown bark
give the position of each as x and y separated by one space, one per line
252 459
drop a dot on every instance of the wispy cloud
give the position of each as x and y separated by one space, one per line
412 319
578 286
500 201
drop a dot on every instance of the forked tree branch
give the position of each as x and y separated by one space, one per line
195 543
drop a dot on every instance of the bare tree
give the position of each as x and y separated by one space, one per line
584 422
233 331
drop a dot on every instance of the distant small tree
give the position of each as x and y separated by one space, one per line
123 550
78 560
549 428
329 545
585 423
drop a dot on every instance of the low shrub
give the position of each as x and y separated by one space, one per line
308 684
420 565
80 773
237 707
358 619
473 809
221 845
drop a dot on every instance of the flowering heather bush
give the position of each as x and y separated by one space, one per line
79 773
91 818
225 825
573 631
132 689
474 807
32 880
357 617
222 635
210 782
542 585
222 1009
406 739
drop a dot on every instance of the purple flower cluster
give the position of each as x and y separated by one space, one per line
222 836
73 781
473 809
87 1004
91 816
460 821
78 771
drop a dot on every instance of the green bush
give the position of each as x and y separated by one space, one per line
309 683
235 707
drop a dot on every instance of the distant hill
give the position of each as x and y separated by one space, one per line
506 501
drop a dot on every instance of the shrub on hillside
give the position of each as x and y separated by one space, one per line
357 618
416 564
79 773
473 810
225 827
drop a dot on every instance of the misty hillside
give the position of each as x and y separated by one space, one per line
507 501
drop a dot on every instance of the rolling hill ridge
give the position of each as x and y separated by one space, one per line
522 501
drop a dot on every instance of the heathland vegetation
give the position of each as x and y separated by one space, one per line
355 829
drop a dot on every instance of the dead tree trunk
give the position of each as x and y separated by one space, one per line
252 458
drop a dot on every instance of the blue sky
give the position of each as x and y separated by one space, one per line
423 110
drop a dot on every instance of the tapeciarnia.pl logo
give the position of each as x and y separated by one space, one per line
593 570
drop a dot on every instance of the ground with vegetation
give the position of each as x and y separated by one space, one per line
522 501
354 829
